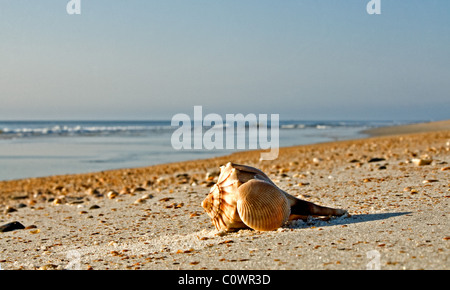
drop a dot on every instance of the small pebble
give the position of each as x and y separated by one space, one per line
139 200
112 194
11 227
194 263
58 201
317 160
139 189
430 180
10 209
166 199
48 267
92 191
376 159
421 162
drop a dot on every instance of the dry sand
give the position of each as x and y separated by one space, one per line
399 212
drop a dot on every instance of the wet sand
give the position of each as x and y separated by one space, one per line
151 218
409 129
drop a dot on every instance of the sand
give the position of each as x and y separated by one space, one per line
398 212
409 129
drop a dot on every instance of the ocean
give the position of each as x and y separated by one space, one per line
42 148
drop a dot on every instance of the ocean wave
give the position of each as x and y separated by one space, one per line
24 129
78 130
315 125
292 126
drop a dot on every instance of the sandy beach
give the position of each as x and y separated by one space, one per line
395 186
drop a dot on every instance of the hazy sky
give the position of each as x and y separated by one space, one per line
302 59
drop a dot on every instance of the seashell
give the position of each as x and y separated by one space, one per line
245 197
273 207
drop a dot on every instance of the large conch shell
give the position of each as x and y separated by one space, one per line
245 197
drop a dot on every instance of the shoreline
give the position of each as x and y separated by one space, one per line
151 218
408 129
87 147
375 132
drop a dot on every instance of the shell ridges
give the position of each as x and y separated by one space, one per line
261 206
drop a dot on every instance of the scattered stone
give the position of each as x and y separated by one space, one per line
139 200
166 199
92 191
211 175
317 160
303 183
182 175
10 209
112 194
11 227
48 267
430 180
422 162
125 190
147 196
94 207
147 183
414 191
376 159
18 197
221 233
194 263
139 189
58 201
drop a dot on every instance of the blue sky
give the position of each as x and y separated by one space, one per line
302 59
